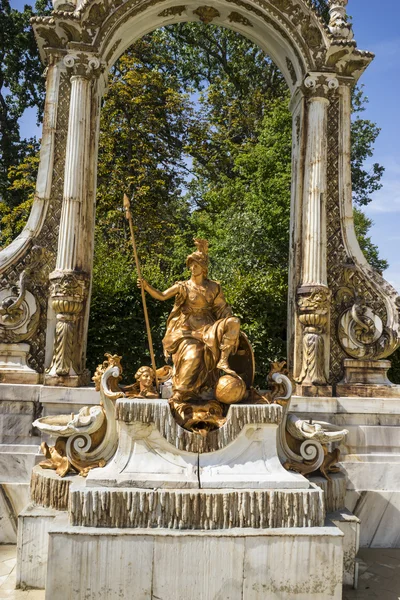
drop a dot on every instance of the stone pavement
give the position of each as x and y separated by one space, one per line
379 577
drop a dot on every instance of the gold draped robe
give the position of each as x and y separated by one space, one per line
199 324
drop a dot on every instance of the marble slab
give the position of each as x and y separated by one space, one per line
17 462
13 499
144 459
32 547
279 564
379 513
251 460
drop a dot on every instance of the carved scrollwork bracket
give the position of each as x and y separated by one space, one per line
19 312
313 313
89 439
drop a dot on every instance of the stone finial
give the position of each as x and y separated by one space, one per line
338 24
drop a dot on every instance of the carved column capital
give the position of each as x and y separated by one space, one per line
313 308
83 64
320 85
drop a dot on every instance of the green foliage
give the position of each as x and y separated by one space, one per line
364 134
362 225
21 86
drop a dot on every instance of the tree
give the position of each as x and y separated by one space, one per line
21 86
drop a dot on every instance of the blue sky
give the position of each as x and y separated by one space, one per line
376 29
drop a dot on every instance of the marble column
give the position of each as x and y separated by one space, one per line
313 296
71 279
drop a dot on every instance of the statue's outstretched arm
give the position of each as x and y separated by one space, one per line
166 295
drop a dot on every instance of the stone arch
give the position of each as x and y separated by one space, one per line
78 43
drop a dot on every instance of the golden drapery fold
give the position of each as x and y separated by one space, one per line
200 325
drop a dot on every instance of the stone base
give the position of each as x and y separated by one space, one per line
13 499
16 463
349 525
314 391
72 381
367 379
33 528
278 564
13 367
360 390
49 490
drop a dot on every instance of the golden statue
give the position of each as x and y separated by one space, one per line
202 336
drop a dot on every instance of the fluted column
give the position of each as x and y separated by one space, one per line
313 296
71 279
74 178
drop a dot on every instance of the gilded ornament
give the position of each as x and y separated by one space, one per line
207 348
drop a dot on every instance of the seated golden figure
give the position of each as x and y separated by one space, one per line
201 336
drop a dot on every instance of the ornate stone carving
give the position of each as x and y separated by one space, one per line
338 23
197 509
206 14
86 440
313 311
172 11
83 64
361 331
19 312
311 441
68 293
236 17
320 85
291 70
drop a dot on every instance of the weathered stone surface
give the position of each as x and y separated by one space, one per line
33 527
196 509
159 413
273 564
334 490
50 490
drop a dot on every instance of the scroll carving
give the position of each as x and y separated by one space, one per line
89 439
305 446
361 331
68 293
313 310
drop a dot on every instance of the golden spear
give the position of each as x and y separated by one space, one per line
128 215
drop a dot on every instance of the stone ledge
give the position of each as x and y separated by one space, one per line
200 509
159 413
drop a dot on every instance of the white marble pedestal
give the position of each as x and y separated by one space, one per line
149 564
